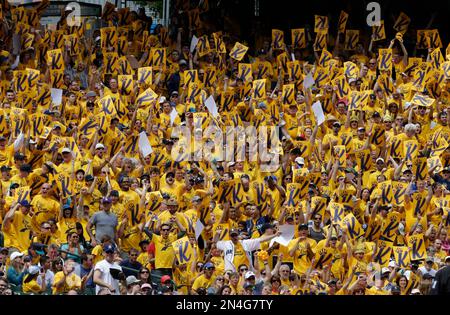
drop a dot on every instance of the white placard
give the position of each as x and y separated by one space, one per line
19 141
173 115
144 144
293 56
287 234
318 112
194 42
56 95
309 81
212 106
198 229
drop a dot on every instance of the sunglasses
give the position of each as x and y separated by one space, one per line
165 230
144 271
243 269
220 279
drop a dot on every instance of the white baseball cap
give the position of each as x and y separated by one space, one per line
66 150
15 255
162 99
300 160
99 146
392 264
249 274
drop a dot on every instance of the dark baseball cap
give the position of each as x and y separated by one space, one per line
25 203
234 232
303 226
5 168
106 200
109 248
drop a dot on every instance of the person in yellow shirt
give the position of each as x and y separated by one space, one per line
44 206
30 284
66 279
302 249
164 253
22 178
206 279
6 151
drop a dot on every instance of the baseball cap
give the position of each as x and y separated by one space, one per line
391 264
89 178
447 258
106 200
32 270
337 124
162 99
196 198
66 150
429 259
385 270
109 248
15 255
234 232
146 285
132 280
5 168
25 203
165 278
380 159
303 226
249 274
91 94
300 161
174 92
209 265
99 146
19 156
182 62
2 138
67 206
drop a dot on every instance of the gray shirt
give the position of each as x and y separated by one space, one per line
105 224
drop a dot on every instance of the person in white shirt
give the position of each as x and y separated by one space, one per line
103 278
45 264
250 245
428 267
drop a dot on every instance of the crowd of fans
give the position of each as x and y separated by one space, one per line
97 201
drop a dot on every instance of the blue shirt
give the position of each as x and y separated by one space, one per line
14 277
90 281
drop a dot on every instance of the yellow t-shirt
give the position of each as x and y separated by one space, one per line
202 282
31 287
72 282
164 254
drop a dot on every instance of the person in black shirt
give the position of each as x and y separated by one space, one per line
441 282
131 263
